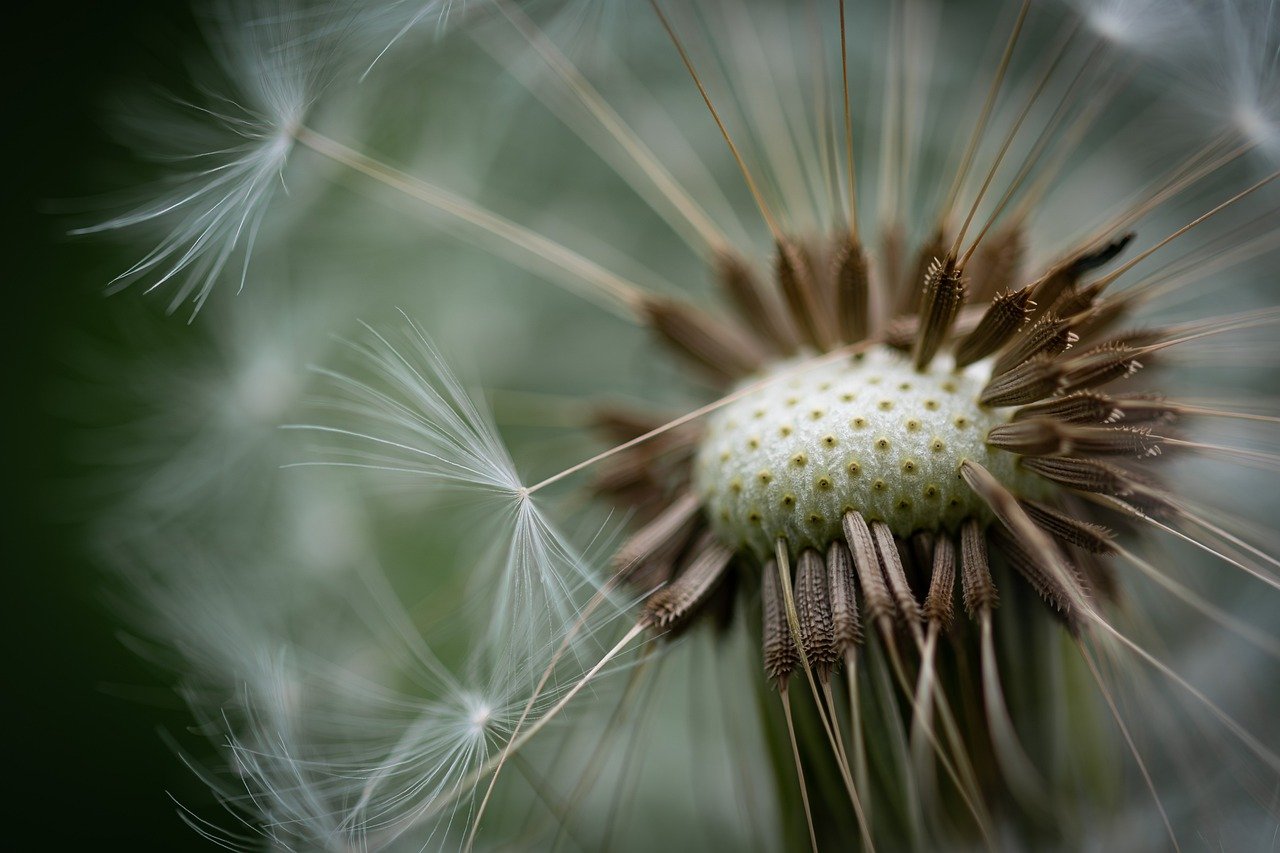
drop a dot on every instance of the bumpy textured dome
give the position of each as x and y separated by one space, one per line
867 432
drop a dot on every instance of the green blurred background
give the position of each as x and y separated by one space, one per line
91 770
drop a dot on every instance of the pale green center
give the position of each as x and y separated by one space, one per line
868 433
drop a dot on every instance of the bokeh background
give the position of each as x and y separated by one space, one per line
92 768
86 767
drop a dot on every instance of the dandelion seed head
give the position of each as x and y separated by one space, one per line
963 394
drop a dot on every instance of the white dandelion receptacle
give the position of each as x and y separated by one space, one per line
868 433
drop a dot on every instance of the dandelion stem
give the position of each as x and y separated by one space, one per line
1128 738
1142 256
971 149
825 358
613 124
783 694
793 622
848 129
586 278
517 743
724 131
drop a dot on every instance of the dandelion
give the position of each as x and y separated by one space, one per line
936 373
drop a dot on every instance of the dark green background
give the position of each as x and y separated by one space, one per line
83 746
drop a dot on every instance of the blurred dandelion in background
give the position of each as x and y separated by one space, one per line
871 441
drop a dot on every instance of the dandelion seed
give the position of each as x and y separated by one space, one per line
419 421
229 148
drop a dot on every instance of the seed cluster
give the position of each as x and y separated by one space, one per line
868 433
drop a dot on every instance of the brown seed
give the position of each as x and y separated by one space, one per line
1047 289
757 306
996 265
1131 441
1099 366
1077 303
1086 475
1062 280
648 557
717 348
896 576
1059 594
1014 518
846 630
852 282
1049 335
675 602
862 546
1146 409
910 297
813 608
975 571
1081 407
940 303
1093 538
780 654
999 323
937 604
1087 262
1027 383
1035 437
803 298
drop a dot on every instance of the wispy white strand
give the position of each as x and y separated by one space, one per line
323 753
1159 26
228 152
416 418
1245 54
